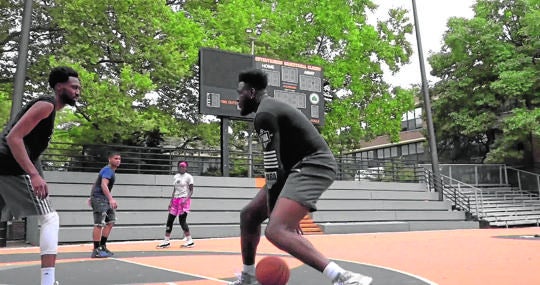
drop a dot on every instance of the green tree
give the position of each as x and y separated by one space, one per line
488 97
138 61
331 34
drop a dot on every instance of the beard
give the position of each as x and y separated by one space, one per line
67 100
249 107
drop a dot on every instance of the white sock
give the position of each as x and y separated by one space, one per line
166 238
332 270
47 276
188 239
249 269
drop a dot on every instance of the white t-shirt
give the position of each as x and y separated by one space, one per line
181 184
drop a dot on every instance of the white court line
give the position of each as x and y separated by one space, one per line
174 271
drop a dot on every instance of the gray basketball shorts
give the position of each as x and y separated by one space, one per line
103 213
18 199
306 183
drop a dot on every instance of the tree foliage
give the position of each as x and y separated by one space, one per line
488 97
138 61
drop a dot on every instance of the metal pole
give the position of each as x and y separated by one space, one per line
225 147
20 72
427 107
250 131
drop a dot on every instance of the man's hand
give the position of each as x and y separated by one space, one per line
39 185
89 202
113 203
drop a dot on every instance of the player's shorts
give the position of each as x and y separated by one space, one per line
306 183
18 199
103 213
180 206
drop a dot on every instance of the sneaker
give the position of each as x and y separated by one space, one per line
99 253
245 279
110 253
164 244
350 278
188 244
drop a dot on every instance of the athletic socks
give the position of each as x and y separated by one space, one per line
96 244
249 269
103 241
47 276
332 270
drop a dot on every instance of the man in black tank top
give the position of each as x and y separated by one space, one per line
298 167
23 191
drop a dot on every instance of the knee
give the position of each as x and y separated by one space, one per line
275 233
48 241
50 221
247 215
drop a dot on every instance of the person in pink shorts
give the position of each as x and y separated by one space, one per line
180 205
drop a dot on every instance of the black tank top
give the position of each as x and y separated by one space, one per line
36 141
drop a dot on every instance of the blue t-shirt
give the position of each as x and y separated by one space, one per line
108 173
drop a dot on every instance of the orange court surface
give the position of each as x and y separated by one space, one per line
452 257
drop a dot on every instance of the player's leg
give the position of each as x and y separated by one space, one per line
48 245
99 209
168 229
298 197
110 219
182 219
20 200
251 218
185 228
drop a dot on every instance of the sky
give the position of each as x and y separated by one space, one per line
432 18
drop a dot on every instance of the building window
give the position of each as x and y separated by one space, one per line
393 151
380 154
420 147
405 149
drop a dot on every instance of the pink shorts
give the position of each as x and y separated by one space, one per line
180 206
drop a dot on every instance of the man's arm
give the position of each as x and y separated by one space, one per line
107 192
15 141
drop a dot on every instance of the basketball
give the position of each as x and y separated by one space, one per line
272 270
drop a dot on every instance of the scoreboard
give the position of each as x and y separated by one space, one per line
297 84
219 81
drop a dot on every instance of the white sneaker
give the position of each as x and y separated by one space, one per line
164 244
245 279
351 278
188 244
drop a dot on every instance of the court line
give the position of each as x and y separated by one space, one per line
173 271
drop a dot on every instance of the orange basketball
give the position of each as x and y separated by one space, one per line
272 270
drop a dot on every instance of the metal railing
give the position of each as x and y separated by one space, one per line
207 162
453 191
523 180
474 174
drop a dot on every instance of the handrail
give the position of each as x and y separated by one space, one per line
532 184
459 200
478 195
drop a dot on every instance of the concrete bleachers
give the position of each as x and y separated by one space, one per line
142 205
347 207
383 207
